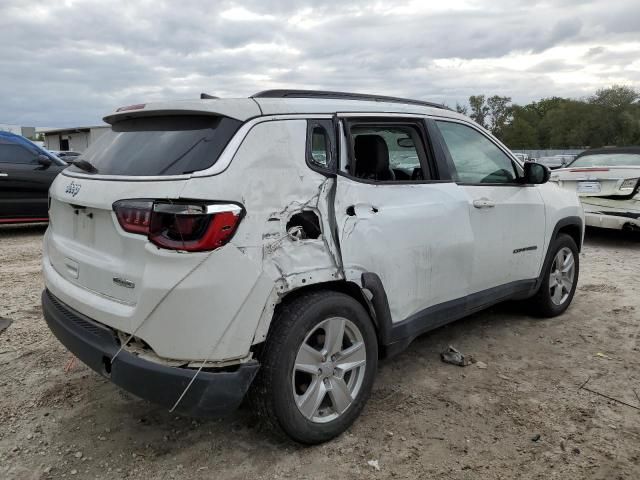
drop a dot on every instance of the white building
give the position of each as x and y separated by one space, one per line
28 132
75 139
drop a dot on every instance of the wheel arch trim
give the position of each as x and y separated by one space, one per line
563 225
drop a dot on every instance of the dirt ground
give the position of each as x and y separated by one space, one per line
523 416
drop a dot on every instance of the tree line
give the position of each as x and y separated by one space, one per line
609 117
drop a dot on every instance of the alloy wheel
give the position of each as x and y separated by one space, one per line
329 369
562 276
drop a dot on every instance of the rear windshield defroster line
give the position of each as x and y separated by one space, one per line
163 145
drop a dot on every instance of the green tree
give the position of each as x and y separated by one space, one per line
479 110
620 113
520 134
616 97
501 113
461 109
609 117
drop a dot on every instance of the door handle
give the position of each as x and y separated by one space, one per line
483 203
2 174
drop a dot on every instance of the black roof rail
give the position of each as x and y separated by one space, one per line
206 96
323 94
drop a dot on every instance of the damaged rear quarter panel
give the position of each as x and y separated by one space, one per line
269 177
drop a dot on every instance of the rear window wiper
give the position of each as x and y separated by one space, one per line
84 165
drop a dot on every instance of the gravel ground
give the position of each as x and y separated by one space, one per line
523 416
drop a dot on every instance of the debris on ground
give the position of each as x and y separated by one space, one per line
4 323
608 397
535 438
602 355
455 357
481 365
374 464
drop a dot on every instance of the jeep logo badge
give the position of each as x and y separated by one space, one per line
73 189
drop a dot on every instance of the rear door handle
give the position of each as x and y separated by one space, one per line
2 174
483 203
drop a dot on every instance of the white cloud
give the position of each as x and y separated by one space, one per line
241 14
71 62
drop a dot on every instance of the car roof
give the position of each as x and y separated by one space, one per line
274 102
610 150
8 137
12 138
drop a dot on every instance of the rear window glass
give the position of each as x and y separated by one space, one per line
608 160
170 145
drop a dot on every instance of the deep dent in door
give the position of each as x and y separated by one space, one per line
292 258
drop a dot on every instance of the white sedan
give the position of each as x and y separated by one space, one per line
607 182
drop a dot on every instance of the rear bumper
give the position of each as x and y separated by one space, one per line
211 394
614 220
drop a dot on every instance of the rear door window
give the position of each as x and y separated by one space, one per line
388 152
156 146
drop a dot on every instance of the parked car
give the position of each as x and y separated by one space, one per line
65 155
26 172
523 157
567 157
607 181
553 162
279 245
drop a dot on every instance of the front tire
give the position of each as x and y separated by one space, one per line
559 279
318 366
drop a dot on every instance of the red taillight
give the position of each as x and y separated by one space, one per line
191 227
134 215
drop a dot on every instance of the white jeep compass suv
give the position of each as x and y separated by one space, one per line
277 246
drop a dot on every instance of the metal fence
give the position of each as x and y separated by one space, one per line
551 152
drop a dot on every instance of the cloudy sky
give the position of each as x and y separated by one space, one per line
68 62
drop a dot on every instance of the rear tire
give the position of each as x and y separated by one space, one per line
559 278
318 365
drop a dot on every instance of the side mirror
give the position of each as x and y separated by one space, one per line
406 142
536 173
44 160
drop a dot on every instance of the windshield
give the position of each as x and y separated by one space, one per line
149 146
608 160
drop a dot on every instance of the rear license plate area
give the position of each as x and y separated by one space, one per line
84 226
588 187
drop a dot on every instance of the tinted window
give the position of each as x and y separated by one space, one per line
320 147
390 153
170 145
10 153
475 157
608 160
